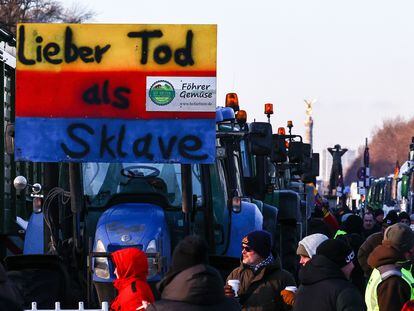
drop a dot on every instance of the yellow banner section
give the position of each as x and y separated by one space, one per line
116 47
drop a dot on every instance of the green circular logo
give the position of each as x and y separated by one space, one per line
162 93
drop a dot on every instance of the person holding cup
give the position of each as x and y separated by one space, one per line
262 283
324 280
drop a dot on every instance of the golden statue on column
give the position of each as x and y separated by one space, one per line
309 121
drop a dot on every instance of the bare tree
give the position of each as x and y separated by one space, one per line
40 11
389 143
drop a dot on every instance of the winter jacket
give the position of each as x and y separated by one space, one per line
325 288
131 284
10 299
393 292
368 232
197 288
366 249
261 291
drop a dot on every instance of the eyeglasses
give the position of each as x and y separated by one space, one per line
246 248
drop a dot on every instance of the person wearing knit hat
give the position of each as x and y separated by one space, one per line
307 246
400 237
261 242
390 284
261 277
338 252
325 281
190 283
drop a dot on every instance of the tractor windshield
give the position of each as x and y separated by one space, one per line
101 181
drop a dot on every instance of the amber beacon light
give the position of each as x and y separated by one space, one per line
232 101
241 116
268 109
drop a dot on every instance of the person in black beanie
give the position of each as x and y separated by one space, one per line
351 234
262 280
190 283
325 282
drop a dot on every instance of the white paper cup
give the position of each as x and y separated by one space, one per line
235 284
291 288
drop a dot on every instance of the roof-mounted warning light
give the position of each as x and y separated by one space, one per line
268 111
281 131
232 101
241 117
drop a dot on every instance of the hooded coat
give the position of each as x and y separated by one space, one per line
10 299
393 292
325 288
261 291
197 288
131 284
366 249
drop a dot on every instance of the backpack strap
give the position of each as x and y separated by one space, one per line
387 274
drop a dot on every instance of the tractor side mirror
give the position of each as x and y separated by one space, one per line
220 152
279 152
260 138
296 152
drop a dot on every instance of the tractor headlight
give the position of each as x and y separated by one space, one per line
153 258
101 265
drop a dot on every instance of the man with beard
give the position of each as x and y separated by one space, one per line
261 277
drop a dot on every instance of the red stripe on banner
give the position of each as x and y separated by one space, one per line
62 95
10 245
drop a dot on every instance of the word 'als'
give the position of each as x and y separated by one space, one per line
51 52
162 54
96 96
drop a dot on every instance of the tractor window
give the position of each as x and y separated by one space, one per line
196 181
245 159
103 180
237 172
220 197
219 190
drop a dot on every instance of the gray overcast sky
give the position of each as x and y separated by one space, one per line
355 57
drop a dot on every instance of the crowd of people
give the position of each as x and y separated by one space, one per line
347 262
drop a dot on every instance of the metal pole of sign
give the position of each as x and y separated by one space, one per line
75 201
187 190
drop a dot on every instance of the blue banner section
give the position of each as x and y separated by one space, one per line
115 140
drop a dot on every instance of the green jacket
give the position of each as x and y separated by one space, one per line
261 292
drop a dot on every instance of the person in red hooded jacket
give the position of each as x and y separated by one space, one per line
131 269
